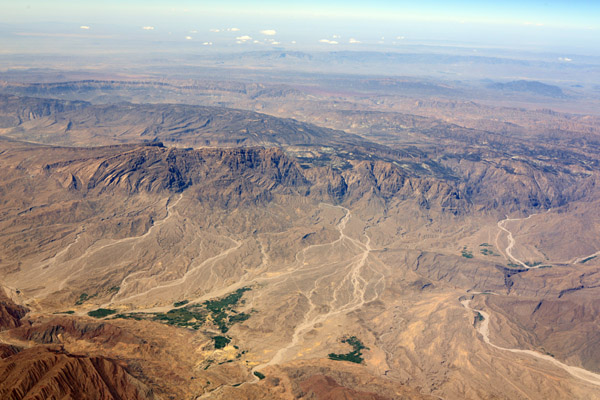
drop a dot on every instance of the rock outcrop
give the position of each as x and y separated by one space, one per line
10 313
45 373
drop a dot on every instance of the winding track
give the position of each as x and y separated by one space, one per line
511 240
484 328
577 372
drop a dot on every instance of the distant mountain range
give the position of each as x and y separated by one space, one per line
533 87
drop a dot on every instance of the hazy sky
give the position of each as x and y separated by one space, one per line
545 25
574 13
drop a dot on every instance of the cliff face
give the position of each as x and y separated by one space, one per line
230 176
10 313
219 176
235 176
16 110
454 168
519 184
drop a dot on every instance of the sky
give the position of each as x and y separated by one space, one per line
562 26
557 13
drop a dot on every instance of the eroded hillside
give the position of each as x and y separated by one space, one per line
318 264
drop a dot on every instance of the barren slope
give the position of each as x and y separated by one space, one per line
213 267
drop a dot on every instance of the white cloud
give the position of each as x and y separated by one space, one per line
566 59
243 38
336 36
352 40
207 43
84 27
293 42
257 42
328 41
148 28
188 38
193 31
275 43
400 37
217 30
268 32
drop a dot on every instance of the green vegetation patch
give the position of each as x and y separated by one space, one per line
221 309
83 298
588 259
188 317
135 316
355 355
479 317
466 253
101 312
532 263
220 320
193 316
221 341
65 312
227 302
259 375
487 252
241 317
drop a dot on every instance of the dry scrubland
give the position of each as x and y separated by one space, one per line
234 254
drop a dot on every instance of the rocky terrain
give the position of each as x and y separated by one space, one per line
193 251
80 123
